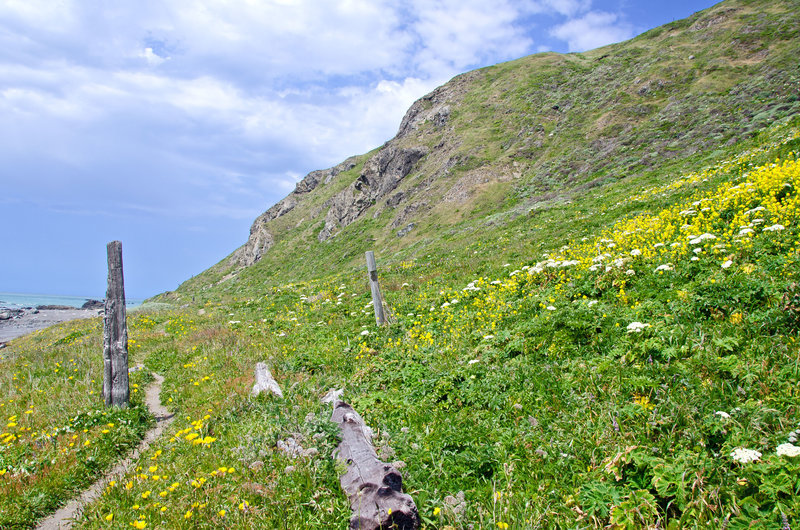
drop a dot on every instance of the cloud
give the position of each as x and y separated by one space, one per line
592 30
453 34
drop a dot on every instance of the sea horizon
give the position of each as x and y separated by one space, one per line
10 300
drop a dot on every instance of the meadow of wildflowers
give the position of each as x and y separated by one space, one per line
635 365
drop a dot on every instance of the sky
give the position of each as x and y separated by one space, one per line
170 125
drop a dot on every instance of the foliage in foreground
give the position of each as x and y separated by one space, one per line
56 435
644 374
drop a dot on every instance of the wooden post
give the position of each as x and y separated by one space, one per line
377 299
116 390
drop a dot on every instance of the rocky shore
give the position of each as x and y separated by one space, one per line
17 322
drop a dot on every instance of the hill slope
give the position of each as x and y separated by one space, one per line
500 141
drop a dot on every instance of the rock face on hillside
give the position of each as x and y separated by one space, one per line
261 238
381 175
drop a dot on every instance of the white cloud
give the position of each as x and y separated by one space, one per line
454 34
152 58
593 30
168 103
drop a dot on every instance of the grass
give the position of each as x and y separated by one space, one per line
516 395
56 434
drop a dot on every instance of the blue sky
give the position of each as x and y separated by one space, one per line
171 124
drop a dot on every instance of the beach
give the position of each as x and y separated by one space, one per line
17 322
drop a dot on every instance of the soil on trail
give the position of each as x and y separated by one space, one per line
65 517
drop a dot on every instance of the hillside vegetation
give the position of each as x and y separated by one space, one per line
616 346
529 135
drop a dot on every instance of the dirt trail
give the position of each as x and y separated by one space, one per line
64 517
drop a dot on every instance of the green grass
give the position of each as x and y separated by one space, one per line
56 434
528 394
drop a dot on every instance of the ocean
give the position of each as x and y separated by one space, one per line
20 300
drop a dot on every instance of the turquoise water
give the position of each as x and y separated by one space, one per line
20 300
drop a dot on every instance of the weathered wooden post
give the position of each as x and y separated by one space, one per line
377 299
115 333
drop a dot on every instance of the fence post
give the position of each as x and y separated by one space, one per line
116 390
377 299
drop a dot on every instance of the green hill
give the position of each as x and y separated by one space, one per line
595 313
524 136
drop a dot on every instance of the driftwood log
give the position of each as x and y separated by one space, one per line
116 390
374 489
265 382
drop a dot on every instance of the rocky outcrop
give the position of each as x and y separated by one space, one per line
261 238
381 175
435 107
93 304
313 179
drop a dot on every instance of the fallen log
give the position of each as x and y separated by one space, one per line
265 382
374 488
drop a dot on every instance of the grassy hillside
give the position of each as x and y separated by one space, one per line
613 379
539 131
609 339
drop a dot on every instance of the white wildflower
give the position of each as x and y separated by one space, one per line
701 238
658 245
365 333
745 231
551 308
774 228
664 267
695 258
636 252
487 337
788 450
727 264
630 272
591 303
637 327
722 414
745 456
473 361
